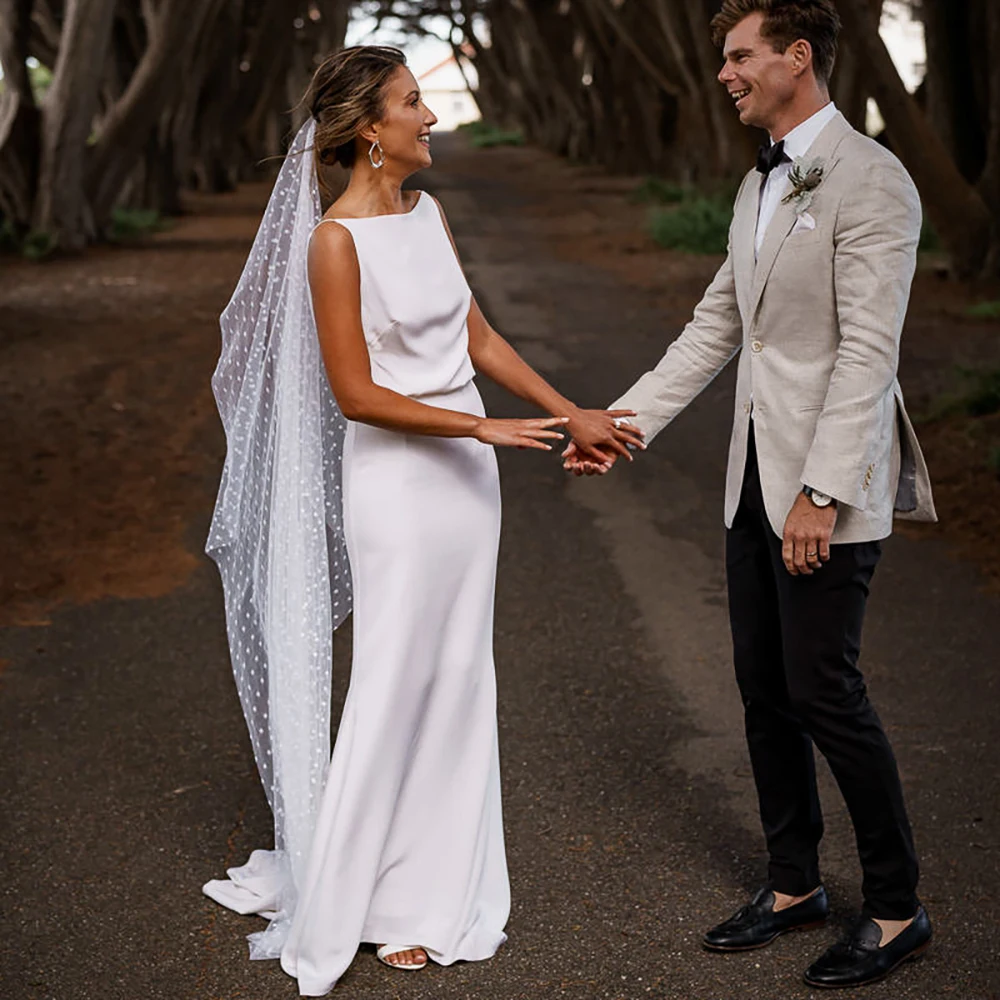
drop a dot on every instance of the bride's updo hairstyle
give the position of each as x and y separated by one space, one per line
346 95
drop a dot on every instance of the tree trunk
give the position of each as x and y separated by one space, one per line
45 32
989 182
734 142
959 214
134 117
952 99
72 101
20 120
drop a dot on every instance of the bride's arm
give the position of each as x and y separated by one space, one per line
335 283
494 357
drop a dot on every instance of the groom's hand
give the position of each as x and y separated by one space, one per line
599 438
599 433
581 465
805 545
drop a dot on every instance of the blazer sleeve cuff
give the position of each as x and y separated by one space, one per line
845 486
648 422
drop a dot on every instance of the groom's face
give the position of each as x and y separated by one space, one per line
759 80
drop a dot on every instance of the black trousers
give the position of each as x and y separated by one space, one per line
796 641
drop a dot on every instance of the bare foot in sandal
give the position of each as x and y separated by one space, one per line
402 957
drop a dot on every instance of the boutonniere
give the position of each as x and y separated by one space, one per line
805 177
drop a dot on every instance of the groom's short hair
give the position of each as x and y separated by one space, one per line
785 22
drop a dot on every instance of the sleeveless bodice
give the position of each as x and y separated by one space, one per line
414 301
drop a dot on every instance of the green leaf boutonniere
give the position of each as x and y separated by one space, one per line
805 177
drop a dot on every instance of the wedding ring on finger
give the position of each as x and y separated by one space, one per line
618 421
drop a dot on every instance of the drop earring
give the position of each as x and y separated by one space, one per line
371 155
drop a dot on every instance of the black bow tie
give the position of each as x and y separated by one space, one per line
770 157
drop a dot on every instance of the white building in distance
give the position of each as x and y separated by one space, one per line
446 94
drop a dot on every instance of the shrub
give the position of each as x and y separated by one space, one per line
8 236
660 191
979 398
484 134
983 396
699 224
128 224
498 137
994 460
473 128
38 244
929 239
984 310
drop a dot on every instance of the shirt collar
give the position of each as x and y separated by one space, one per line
799 140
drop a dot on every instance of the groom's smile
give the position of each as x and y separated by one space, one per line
760 80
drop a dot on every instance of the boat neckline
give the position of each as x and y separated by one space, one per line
384 215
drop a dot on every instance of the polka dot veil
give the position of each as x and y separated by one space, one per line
277 537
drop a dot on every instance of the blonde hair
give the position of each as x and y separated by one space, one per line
347 93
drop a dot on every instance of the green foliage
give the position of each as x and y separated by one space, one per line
659 191
8 236
994 460
979 397
983 396
699 224
38 244
498 137
483 135
40 77
929 239
984 310
129 224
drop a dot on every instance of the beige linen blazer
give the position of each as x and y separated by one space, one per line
816 320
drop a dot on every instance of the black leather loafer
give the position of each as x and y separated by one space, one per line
858 959
757 924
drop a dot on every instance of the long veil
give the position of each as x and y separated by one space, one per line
278 540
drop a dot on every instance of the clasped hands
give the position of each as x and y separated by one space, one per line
599 438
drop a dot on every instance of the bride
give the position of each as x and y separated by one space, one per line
386 489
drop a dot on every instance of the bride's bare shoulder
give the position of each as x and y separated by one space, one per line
331 245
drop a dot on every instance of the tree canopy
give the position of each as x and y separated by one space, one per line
147 97
631 84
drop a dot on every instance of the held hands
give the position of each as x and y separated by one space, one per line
599 438
805 545
520 433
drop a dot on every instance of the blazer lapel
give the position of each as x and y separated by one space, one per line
744 224
784 219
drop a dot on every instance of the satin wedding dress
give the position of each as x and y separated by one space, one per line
408 846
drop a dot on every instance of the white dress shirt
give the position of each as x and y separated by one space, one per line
797 143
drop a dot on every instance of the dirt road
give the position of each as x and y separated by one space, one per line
629 806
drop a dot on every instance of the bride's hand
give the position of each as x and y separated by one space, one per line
598 433
520 433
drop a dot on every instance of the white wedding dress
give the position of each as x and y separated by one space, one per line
408 847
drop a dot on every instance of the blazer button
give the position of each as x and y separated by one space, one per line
756 346
746 407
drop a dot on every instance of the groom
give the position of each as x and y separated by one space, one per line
812 296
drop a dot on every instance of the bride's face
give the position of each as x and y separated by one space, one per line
405 128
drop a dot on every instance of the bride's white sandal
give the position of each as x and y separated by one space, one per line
386 950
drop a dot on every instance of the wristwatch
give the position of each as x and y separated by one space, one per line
819 499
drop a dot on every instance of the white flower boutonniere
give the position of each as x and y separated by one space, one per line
805 176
